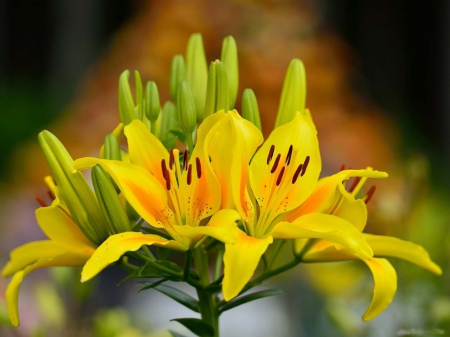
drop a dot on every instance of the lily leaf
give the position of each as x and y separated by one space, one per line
249 298
148 271
151 285
176 334
197 326
179 296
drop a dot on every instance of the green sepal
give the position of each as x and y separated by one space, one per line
126 104
217 94
74 189
110 205
293 95
197 72
177 75
186 108
250 110
197 326
152 105
139 109
249 298
229 57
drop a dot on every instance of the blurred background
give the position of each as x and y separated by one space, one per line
378 76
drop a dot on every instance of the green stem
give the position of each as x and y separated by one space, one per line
208 310
278 245
218 265
153 128
189 142
187 264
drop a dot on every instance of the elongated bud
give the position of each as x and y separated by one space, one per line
74 189
197 72
126 104
250 110
177 75
168 123
110 205
152 105
139 99
186 108
293 96
217 94
229 57
117 133
112 148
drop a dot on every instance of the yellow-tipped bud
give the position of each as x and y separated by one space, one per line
152 105
293 96
110 205
186 108
250 110
197 72
177 75
126 104
229 57
74 189
217 94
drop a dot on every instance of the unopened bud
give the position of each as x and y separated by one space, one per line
293 96
229 57
177 75
186 108
217 94
126 104
250 110
139 99
152 105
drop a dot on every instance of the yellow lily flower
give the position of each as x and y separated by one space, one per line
344 204
269 193
169 195
67 246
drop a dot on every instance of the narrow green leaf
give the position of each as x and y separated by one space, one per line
197 326
179 296
150 285
249 298
176 334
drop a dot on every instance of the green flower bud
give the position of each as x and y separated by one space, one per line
126 104
110 205
293 95
112 148
117 133
217 94
74 189
197 72
152 105
250 110
186 108
177 75
139 99
229 57
167 122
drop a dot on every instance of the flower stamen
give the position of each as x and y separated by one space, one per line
289 155
275 164
269 157
198 167
369 194
40 201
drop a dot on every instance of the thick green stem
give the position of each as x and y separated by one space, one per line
189 142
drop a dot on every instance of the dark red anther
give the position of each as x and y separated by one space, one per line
280 176
54 181
189 175
275 164
305 166
355 183
342 168
171 159
40 201
289 155
168 182
269 157
164 169
370 194
185 159
297 173
198 167
51 195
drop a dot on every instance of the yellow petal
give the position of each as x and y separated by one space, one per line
326 193
117 245
385 286
12 292
393 247
324 226
145 149
30 253
142 190
59 227
301 134
204 192
232 144
221 227
241 260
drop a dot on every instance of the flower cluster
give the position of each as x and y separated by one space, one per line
198 178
